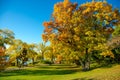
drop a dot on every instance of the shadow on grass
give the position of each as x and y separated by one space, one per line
83 79
57 67
36 72
101 66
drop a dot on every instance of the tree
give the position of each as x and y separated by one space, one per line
114 44
49 54
53 52
32 53
20 52
42 49
116 31
6 37
14 51
82 29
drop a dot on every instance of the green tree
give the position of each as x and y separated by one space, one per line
116 31
6 37
114 43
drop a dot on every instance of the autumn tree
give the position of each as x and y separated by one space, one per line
54 52
49 56
6 37
32 54
20 52
15 51
41 48
83 29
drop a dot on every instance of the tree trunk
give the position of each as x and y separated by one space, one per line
85 63
42 56
17 62
52 59
77 62
33 61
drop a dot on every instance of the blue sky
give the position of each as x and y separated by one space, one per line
25 17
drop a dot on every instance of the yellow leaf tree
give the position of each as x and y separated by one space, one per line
82 29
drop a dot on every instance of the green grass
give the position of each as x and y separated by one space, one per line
61 72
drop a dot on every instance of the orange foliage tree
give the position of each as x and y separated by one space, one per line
82 29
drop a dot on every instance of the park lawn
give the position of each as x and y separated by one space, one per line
61 72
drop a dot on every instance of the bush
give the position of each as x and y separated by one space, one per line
46 62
